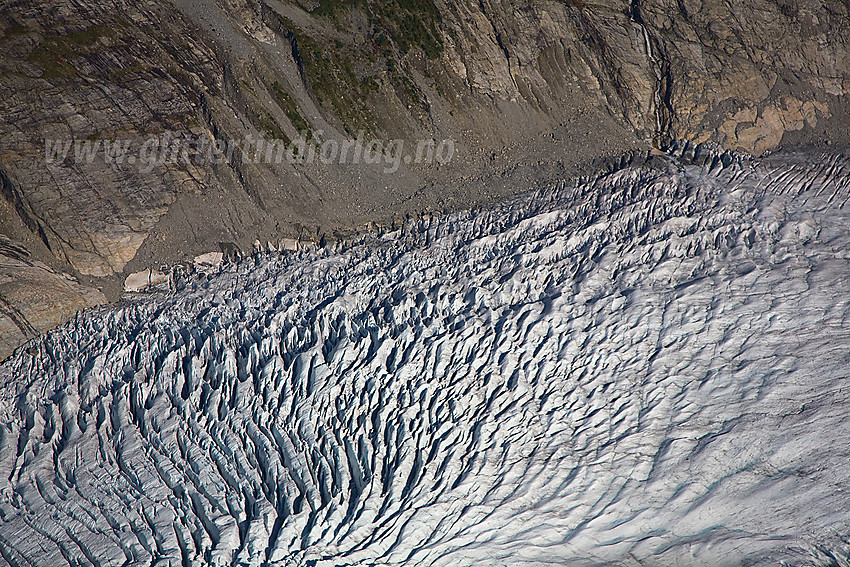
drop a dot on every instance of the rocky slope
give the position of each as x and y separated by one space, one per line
529 91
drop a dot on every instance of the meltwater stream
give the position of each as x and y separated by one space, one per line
657 98
647 367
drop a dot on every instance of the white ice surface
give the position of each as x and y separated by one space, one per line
649 367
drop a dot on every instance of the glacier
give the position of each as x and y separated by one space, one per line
646 366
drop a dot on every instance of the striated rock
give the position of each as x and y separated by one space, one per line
34 298
103 88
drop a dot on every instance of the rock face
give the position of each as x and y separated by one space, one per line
34 298
99 100
748 74
91 76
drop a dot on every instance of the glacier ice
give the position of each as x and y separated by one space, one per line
644 367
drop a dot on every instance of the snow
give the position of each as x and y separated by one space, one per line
644 367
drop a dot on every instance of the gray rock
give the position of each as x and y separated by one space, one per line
34 298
